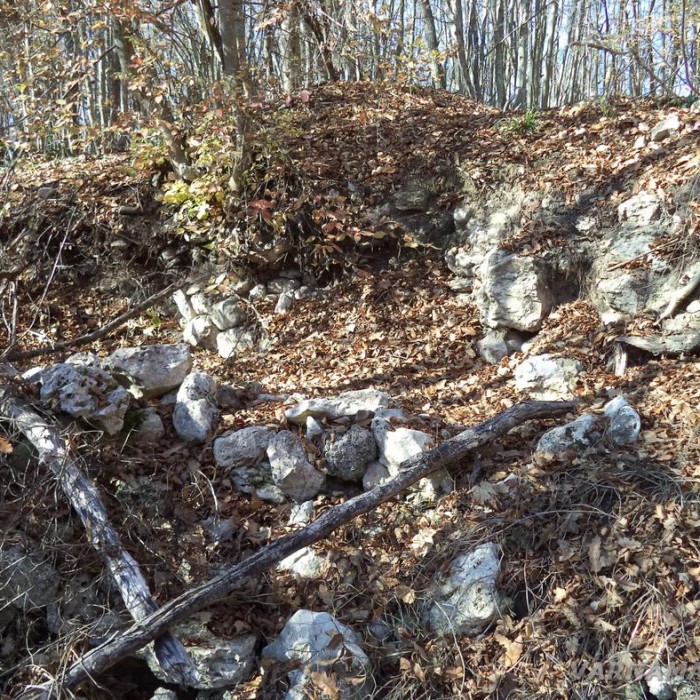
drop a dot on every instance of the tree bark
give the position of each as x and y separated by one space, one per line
86 502
99 659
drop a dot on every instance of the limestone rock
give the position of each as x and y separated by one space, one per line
149 428
200 332
234 341
243 448
576 435
625 424
228 314
156 369
666 128
82 388
349 455
291 470
312 640
220 662
547 378
350 403
514 292
469 601
196 410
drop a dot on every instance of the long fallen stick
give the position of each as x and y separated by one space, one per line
85 499
125 643
94 335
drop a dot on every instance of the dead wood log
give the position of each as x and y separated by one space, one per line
85 499
102 657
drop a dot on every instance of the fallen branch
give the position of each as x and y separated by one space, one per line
95 335
85 499
102 657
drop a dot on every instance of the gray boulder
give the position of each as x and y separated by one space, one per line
82 388
149 426
196 410
624 422
396 446
200 332
514 292
291 470
154 369
469 601
234 341
228 314
245 447
666 128
576 435
348 456
220 662
349 403
318 642
547 377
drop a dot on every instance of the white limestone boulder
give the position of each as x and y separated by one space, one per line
154 369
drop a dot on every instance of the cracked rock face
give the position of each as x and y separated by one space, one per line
469 601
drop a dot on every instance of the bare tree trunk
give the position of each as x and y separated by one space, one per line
431 40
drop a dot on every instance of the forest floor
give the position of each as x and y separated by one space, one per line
600 549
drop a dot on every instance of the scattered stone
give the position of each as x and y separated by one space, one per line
349 403
313 428
246 447
201 303
396 446
577 435
659 682
228 398
82 388
291 470
430 488
666 128
234 341
547 378
469 601
319 642
304 564
283 286
155 369
639 210
149 426
499 343
228 314
257 480
196 411
301 513
625 423
284 303
164 694
220 662
376 475
184 307
259 291
348 456
200 332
